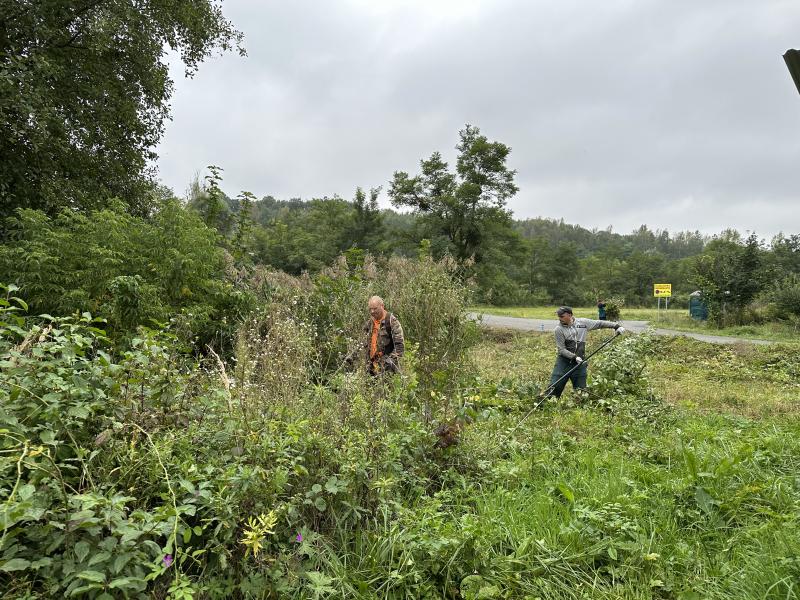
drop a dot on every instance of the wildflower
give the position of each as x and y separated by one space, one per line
299 538
167 560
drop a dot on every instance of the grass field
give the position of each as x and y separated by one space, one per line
684 488
677 319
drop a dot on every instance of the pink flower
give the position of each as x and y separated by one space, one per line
299 537
167 560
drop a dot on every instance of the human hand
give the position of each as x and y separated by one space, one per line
620 330
578 360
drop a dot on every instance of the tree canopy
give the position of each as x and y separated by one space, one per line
459 205
84 92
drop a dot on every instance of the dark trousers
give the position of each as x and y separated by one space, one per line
577 377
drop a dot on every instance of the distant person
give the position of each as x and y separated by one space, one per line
384 344
571 347
601 310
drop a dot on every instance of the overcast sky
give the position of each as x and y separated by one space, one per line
676 114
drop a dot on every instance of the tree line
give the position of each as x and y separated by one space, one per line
511 262
84 92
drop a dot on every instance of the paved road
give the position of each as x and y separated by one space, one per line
497 321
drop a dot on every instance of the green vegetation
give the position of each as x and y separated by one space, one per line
127 270
177 414
84 93
146 471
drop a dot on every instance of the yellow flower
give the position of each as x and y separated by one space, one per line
258 528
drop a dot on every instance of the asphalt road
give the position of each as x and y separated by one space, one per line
543 325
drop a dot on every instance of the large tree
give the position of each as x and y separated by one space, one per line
84 91
460 205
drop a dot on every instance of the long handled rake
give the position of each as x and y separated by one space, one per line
546 393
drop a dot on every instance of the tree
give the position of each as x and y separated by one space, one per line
730 273
243 228
140 270
642 270
562 282
786 253
367 229
307 238
458 206
84 92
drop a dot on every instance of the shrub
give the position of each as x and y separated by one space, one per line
784 298
614 308
128 270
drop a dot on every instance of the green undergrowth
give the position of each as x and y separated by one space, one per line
147 472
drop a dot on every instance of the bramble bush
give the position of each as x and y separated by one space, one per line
139 471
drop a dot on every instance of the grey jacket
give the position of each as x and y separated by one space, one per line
571 339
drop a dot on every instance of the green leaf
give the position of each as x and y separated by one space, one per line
122 582
704 500
81 550
21 302
120 562
26 491
42 562
15 564
79 412
95 576
566 492
612 552
99 557
320 504
86 588
488 592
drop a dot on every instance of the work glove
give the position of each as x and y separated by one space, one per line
389 365
620 330
578 360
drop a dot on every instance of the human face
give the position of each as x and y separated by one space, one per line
565 319
376 310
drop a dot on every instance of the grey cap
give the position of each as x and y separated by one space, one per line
563 309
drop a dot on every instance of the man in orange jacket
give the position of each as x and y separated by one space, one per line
383 339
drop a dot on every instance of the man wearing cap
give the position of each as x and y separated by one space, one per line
571 346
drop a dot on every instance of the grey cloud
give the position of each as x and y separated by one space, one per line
680 115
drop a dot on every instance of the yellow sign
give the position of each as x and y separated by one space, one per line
662 290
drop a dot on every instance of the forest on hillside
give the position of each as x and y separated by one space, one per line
518 262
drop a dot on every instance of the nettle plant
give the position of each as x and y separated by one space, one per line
619 370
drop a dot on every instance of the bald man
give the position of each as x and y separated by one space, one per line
383 339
